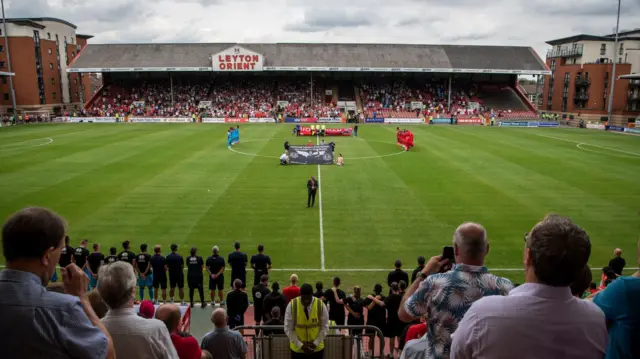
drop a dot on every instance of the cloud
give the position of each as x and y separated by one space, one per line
497 22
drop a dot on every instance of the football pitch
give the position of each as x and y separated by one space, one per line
178 183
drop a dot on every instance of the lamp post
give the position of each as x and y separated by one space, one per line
6 45
615 61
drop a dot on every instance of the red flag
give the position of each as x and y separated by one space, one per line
185 321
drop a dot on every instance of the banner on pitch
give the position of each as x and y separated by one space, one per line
236 120
213 120
374 120
306 131
404 120
469 121
595 126
311 155
261 120
329 120
632 130
440 121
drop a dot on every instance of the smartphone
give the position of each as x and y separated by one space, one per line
447 252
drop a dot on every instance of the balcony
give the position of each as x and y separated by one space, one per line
634 84
633 96
582 81
565 52
581 96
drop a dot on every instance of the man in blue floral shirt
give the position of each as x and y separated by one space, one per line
444 298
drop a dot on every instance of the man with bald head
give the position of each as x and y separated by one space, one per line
617 263
444 298
186 345
225 343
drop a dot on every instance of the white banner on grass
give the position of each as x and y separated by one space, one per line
594 126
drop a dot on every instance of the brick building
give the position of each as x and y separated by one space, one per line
581 76
41 50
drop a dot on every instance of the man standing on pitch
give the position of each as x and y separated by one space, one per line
312 189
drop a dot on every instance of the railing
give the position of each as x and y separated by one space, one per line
581 96
565 52
582 81
343 342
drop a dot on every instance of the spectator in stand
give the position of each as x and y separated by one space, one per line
414 274
276 319
55 325
237 305
376 314
396 275
413 331
159 268
272 300
539 319
127 255
445 297
97 304
175 267
617 263
319 293
133 336
261 263
394 325
186 345
355 306
259 292
335 299
146 309
113 257
582 282
66 254
194 276
238 262
619 302
292 291
225 343
95 260
215 268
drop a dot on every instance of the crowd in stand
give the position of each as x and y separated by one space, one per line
453 307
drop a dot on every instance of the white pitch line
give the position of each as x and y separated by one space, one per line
320 211
588 144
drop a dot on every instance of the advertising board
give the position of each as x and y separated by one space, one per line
213 120
404 120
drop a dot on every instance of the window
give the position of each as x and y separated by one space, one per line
51 65
73 54
566 77
621 48
6 96
77 94
1 48
1 64
53 95
4 80
53 81
72 40
49 35
603 49
49 51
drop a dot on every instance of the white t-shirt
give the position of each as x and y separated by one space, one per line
284 157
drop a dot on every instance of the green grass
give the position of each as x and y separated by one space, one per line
172 183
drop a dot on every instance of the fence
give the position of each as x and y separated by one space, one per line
343 342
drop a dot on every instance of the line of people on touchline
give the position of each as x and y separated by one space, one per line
154 271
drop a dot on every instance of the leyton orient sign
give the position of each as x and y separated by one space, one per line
237 59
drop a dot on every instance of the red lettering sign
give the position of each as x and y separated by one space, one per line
239 62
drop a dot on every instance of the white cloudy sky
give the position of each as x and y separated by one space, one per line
488 22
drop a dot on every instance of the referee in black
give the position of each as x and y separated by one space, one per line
312 189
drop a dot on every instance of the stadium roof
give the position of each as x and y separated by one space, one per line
314 57
33 21
622 35
633 76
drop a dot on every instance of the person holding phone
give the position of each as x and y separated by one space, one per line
445 297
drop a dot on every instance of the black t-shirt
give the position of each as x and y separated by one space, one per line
415 273
336 310
111 259
214 264
127 256
319 294
80 255
194 266
377 315
157 264
238 262
65 256
237 303
357 306
261 263
396 276
95 261
273 300
617 264
392 304
259 292
175 263
142 262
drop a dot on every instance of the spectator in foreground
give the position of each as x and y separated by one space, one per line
237 305
306 323
133 336
55 325
617 263
539 319
97 304
445 297
146 309
581 284
619 302
292 291
272 300
276 320
396 275
186 345
419 268
225 343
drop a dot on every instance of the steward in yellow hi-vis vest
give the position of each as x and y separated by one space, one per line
306 325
